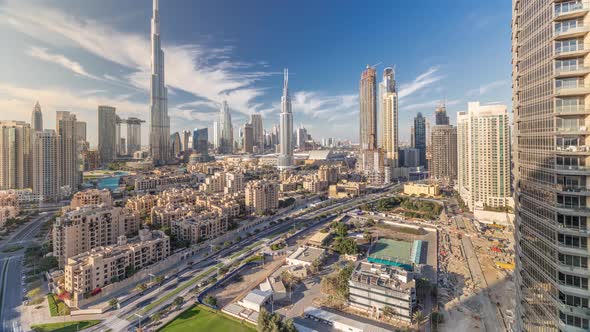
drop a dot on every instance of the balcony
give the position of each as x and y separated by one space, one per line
571 50
571 71
567 32
572 169
572 130
572 90
571 110
571 9
573 149
572 189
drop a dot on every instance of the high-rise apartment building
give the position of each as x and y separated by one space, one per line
552 163
159 119
443 163
258 130
483 149
70 155
389 117
81 131
226 132
201 141
301 137
37 118
107 127
216 135
186 135
368 109
133 135
285 159
46 165
262 196
419 137
248 139
15 155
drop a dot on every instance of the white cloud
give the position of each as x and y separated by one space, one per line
422 81
45 55
318 105
487 88
205 72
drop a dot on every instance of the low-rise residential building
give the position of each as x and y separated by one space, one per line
101 266
82 229
305 256
163 181
422 189
162 216
373 287
329 174
196 228
92 197
24 196
315 185
142 204
234 183
7 213
214 183
262 196
346 189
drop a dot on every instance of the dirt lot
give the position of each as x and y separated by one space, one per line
251 278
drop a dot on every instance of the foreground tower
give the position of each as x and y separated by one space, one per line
286 130
551 170
159 120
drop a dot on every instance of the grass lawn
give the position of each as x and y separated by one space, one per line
200 318
56 306
65 327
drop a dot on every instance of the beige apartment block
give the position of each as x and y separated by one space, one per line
196 228
262 196
92 197
83 229
422 189
346 189
329 174
105 265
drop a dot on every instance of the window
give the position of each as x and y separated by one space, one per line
573 260
573 281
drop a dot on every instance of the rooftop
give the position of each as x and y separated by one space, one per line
357 323
307 254
257 297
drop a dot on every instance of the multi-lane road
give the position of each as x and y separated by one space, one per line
11 272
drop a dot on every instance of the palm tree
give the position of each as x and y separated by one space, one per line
388 311
418 317
113 302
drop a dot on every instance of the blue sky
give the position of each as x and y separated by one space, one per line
74 55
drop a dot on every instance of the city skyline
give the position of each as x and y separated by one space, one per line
79 76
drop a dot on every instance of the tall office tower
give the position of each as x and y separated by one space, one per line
389 117
70 158
550 44
133 135
368 109
159 120
201 141
419 137
226 132
285 159
46 165
215 135
107 128
175 144
248 139
186 134
257 126
37 118
443 165
483 148
118 147
440 115
15 155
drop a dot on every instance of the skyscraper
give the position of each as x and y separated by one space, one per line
70 159
301 137
201 142
159 120
257 126
226 133
419 137
248 139
186 135
15 155
483 141
440 115
389 117
175 142
46 165
107 127
133 135
368 109
37 118
81 131
216 135
551 164
285 159
443 163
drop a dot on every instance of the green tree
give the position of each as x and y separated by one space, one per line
347 246
341 229
178 301
156 317
113 302
210 300
418 317
141 287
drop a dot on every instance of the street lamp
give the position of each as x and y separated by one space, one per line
139 318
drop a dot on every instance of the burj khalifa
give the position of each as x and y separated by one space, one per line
159 120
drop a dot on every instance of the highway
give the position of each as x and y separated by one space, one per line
129 316
11 272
